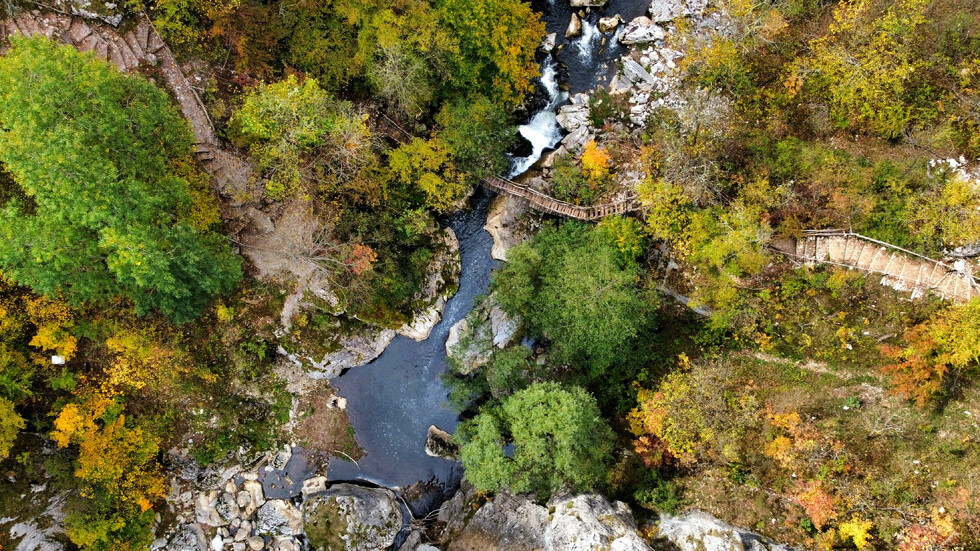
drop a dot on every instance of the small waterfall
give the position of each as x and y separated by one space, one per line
542 130
587 42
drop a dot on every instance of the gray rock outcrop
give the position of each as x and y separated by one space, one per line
189 537
443 276
699 531
279 517
507 523
641 30
589 522
473 338
107 12
352 518
354 350
503 225
663 11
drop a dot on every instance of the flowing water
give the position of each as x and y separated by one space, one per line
393 400
586 59
542 130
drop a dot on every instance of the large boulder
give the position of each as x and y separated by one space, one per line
574 27
699 531
548 43
441 282
641 30
507 523
574 116
589 522
635 73
609 24
439 443
279 517
352 518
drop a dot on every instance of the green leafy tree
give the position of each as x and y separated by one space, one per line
497 41
558 437
105 215
572 286
478 132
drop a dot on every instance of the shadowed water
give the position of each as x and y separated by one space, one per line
393 400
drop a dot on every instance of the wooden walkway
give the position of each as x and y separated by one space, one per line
550 205
901 269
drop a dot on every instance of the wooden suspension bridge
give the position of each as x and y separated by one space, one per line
545 203
900 268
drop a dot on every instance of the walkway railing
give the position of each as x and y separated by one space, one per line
546 203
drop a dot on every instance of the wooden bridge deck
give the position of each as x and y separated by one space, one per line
550 205
899 268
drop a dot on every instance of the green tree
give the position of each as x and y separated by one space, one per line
478 132
497 41
572 286
558 437
94 151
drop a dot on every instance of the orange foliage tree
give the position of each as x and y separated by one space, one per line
819 505
949 341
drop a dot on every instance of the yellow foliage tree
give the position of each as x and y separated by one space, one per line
857 530
863 65
140 358
116 471
54 319
595 163
10 425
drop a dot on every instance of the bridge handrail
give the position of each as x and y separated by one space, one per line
539 199
845 233
848 234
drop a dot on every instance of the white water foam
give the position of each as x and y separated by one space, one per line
587 42
542 130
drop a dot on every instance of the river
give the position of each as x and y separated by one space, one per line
393 400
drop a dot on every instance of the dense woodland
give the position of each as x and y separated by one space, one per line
813 405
